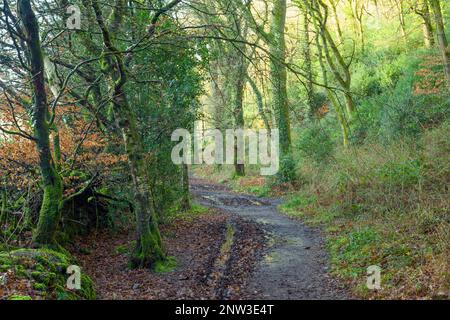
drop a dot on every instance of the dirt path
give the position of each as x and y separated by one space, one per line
294 263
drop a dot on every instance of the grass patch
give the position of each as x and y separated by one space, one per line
229 238
385 206
126 248
190 215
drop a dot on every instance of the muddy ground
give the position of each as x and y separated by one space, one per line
294 262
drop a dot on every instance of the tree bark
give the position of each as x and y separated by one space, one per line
334 102
148 249
440 32
339 67
308 65
49 214
186 199
428 36
239 168
259 103
278 74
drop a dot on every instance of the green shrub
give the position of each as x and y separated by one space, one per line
286 174
396 110
405 173
315 143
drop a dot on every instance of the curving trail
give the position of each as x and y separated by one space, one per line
294 264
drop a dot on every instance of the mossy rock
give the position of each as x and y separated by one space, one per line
19 297
46 270
39 286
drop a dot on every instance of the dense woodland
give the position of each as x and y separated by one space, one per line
358 89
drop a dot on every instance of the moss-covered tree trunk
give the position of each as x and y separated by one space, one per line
308 63
51 182
278 74
428 36
334 57
440 32
186 197
238 112
334 102
339 34
148 249
259 103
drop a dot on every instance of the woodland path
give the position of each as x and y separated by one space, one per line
294 263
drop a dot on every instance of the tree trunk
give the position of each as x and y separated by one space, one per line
148 248
186 198
278 74
53 188
401 17
239 168
308 65
217 100
338 24
334 102
341 117
357 13
428 36
440 32
259 103
334 58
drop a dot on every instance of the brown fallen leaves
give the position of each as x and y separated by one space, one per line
195 245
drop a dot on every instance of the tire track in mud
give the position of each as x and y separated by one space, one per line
294 264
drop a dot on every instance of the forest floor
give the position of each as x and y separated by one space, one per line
241 248
203 263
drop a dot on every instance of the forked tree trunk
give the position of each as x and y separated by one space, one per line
335 59
334 102
148 249
259 103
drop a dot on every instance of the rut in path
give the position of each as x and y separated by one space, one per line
294 265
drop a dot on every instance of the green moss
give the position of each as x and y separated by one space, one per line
19 297
20 271
39 267
39 286
87 288
46 268
167 265
44 277
49 213
123 248
198 209
149 250
192 213
61 293
298 204
4 267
